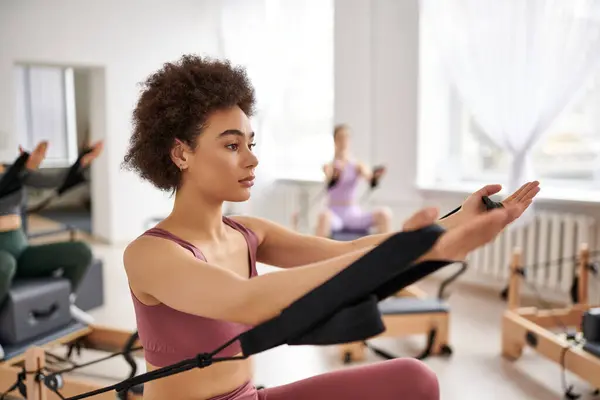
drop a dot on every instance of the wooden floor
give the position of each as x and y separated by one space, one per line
475 371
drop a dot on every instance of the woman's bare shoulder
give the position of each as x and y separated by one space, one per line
145 248
255 224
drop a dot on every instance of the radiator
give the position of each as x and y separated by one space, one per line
548 237
295 197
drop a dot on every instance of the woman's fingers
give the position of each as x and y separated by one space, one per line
529 191
525 192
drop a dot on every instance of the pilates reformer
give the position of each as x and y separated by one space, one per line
577 347
40 355
411 312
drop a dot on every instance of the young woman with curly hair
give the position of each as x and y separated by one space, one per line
193 277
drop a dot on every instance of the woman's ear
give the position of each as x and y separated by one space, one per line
178 154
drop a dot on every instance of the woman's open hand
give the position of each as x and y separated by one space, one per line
36 156
457 243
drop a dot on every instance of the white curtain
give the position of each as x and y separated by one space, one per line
516 64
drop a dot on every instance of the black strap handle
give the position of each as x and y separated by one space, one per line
377 170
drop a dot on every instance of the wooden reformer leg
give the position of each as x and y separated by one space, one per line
512 346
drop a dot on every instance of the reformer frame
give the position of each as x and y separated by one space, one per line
94 337
400 325
529 326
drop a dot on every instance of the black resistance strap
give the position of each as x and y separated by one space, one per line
11 180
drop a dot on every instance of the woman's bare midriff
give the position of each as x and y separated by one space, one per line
10 222
200 384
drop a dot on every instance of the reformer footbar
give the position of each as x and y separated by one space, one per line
351 295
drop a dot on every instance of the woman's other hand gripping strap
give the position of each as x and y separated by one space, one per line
12 179
394 257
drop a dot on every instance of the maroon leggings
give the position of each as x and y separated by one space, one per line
398 379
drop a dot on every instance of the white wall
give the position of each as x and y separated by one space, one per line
376 71
125 41
82 85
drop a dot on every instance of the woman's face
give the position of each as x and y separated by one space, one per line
342 140
222 164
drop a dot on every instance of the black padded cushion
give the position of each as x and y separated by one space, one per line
411 305
347 235
33 307
593 348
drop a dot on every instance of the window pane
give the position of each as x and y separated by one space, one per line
45 111
47 102
569 151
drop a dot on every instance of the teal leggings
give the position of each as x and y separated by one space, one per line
20 260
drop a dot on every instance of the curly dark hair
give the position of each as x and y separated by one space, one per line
175 103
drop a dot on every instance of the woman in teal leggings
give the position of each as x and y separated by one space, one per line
17 258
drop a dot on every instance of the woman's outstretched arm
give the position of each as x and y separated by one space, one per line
165 271
286 248
172 275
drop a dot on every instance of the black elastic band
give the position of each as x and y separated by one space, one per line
375 179
12 179
489 205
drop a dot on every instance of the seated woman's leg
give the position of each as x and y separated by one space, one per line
72 258
356 219
327 222
8 267
12 244
398 379
382 219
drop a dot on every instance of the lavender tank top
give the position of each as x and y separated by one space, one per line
169 336
345 189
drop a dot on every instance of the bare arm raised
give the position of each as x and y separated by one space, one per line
170 274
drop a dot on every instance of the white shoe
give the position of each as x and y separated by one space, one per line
81 316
